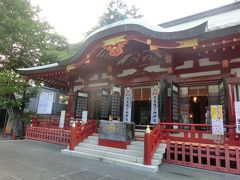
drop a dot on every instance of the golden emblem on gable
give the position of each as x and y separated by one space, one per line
187 43
71 67
115 45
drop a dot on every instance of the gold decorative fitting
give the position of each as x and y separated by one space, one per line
187 43
149 41
148 131
87 61
115 45
71 67
74 124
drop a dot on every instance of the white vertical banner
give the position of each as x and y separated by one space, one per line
127 111
84 116
237 115
154 105
62 119
217 120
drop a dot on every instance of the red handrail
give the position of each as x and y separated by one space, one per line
81 131
201 133
50 122
189 132
152 140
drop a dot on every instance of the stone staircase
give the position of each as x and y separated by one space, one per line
132 157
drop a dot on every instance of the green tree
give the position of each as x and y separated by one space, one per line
25 39
13 94
116 10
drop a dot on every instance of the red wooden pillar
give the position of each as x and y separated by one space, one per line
230 97
231 111
147 147
72 137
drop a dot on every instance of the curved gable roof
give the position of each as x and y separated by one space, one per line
124 26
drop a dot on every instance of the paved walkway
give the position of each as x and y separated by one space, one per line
29 160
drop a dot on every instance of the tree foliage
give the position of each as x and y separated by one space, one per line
13 94
25 39
116 10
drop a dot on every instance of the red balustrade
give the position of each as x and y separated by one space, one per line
47 129
81 131
50 122
223 158
151 141
50 135
200 133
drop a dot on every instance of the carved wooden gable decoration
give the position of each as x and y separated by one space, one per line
115 45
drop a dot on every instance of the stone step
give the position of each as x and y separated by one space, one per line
133 152
135 147
115 162
91 141
103 148
141 143
157 156
125 154
102 153
161 148
93 137
140 153
132 149
86 145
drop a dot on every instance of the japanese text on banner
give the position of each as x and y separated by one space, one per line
154 105
217 120
127 111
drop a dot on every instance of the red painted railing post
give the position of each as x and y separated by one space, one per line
72 137
147 146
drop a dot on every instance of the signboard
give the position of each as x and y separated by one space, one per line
154 105
84 116
127 111
237 114
62 119
45 103
81 104
116 89
217 120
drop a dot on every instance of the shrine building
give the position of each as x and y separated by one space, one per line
192 62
